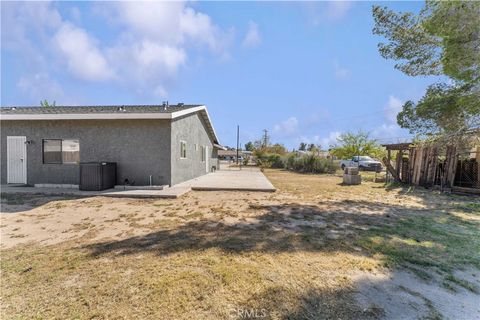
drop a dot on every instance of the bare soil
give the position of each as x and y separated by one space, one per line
315 249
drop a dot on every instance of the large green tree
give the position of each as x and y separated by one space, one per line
443 39
357 144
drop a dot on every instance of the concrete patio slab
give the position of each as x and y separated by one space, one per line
228 179
169 193
231 179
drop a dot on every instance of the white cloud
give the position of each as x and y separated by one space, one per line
394 106
83 58
155 40
324 142
386 131
252 38
326 11
20 22
331 139
160 91
40 86
167 23
340 72
75 14
287 127
338 9
152 42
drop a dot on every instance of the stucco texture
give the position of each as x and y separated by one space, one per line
139 147
192 130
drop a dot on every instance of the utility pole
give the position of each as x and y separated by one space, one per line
238 137
265 138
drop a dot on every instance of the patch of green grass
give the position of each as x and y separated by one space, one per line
426 239
433 314
12 199
463 283
471 207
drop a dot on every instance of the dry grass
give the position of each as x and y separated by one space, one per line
220 255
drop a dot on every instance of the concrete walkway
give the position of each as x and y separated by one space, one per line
231 179
228 179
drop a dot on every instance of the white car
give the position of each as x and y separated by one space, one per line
363 163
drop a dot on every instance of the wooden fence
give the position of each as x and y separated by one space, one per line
430 166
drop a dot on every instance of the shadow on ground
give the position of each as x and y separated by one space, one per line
19 202
409 236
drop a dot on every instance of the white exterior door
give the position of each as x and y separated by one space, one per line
206 158
16 159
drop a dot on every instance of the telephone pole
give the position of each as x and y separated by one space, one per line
265 138
238 137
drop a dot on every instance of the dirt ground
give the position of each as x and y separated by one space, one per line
315 249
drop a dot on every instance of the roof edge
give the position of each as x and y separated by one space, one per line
114 116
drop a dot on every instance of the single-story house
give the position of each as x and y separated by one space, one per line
151 144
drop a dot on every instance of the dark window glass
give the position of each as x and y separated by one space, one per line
52 151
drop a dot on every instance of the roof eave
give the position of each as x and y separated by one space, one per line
118 115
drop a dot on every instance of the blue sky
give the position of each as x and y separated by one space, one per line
305 71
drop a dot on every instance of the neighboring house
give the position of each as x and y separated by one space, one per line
230 154
167 144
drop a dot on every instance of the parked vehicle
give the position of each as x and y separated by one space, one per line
363 163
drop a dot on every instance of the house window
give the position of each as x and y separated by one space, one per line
70 151
183 149
57 151
203 153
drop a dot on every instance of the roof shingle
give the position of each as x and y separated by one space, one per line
97 109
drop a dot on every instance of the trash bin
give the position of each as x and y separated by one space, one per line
95 176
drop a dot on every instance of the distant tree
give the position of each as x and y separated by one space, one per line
249 146
303 146
45 103
442 39
277 148
313 148
357 144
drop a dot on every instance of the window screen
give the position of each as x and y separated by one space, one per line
203 153
52 151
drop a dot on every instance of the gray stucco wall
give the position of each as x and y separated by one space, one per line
140 147
193 131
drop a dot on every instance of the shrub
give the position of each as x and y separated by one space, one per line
275 161
307 164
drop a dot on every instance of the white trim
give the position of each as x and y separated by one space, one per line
219 146
116 115
187 111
